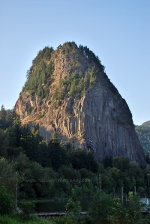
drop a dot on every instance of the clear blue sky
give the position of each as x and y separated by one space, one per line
118 31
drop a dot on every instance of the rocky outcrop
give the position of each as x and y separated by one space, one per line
92 116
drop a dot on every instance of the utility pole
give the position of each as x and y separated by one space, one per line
135 190
16 193
100 182
122 194
113 192
148 193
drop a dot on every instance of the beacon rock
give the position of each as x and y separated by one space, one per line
68 92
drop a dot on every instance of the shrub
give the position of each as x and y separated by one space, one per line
6 202
73 210
27 208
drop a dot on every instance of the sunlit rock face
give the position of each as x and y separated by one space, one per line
68 92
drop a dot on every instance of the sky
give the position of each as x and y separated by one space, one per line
117 31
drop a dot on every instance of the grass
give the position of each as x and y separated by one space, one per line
8 220
18 220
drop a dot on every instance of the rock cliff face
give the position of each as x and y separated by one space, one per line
68 92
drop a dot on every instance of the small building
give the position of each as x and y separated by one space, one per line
146 203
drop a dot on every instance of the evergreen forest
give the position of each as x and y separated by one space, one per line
37 175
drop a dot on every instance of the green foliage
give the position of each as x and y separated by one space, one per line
134 210
91 56
27 208
6 201
118 213
19 220
6 117
54 138
121 163
73 209
75 85
80 160
7 175
104 209
101 207
43 54
39 75
51 169
5 219
143 133
78 81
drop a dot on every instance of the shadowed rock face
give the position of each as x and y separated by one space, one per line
81 105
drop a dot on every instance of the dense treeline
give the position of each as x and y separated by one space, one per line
36 160
50 170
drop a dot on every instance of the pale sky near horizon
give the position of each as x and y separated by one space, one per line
118 32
